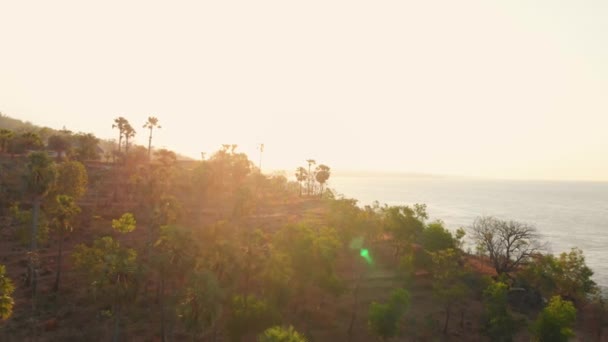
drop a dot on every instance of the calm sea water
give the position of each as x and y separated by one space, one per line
567 214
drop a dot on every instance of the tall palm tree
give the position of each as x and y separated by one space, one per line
322 175
129 132
5 136
39 179
151 124
301 176
310 177
64 212
120 123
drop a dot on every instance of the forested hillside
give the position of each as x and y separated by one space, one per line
128 243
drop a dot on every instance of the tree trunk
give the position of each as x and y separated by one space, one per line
150 144
35 215
59 256
119 142
115 338
447 319
163 332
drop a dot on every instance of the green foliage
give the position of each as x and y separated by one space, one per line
40 174
125 224
281 334
312 253
64 211
556 322
250 315
109 269
567 275
435 237
72 179
449 287
383 319
200 303
499 325
22 219
404 224
6 291
26 141
6 135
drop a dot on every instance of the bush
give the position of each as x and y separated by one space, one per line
555 322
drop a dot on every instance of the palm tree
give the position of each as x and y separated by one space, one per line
120 123
129 132
39 178
151 124
64 212
5 136
310 163
301 176
322 175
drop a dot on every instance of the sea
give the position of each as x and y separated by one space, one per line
566 213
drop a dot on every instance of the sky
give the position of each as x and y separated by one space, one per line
501 89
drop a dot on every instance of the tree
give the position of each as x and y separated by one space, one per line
384 318
26 141
40 178
507 243
435 237
72 179
60 143
310 162
200 304
87 147
448 286
249 314
6 291
567 275
110 269
556 322
151 124
301 175
120 123
404 224
281 334
129 133
64 212
322 175
499 324
6 135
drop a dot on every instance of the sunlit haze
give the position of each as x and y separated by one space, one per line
473 88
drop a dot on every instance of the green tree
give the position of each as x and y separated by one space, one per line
567 276
60 143
150 125
301 176
72 180
448 282
6 135
6 291
499 324
556 322
383 319
249 314
87 147
322 175
129 133
281 334
64 212
125 224
174 258
404 224
435 237
40 177
200 304
26 141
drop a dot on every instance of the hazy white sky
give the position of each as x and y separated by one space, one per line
509 89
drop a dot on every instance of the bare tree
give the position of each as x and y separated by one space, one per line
507 243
